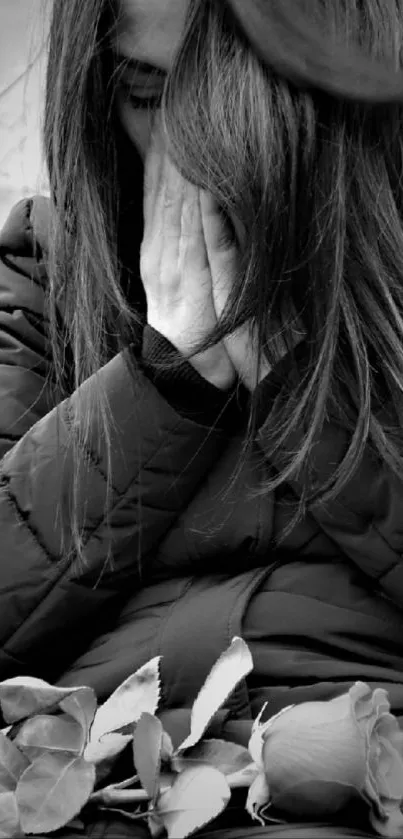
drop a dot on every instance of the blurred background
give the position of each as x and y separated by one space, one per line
23 33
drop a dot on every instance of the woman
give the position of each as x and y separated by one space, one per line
201 402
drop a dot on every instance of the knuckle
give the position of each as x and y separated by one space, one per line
170 200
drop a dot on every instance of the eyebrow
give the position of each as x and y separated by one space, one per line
141 66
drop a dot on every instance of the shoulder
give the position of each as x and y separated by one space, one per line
26 230
23 244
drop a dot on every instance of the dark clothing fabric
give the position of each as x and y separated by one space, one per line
117 828
191 395
191 548
196 558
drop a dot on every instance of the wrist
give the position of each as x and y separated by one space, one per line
216 370
213 365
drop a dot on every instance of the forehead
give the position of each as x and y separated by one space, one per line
150 30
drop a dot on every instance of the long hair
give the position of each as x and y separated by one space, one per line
290 113
95 300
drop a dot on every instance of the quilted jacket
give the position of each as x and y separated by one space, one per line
195 555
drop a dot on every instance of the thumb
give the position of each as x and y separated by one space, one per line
221 249
219 233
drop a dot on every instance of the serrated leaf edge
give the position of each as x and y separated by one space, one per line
192 739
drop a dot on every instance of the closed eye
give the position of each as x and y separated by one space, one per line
142 83
144 102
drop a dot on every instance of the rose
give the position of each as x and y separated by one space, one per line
314 758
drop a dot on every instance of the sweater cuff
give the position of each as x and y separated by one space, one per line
192 396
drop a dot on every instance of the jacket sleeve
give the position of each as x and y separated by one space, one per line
50 606
365 521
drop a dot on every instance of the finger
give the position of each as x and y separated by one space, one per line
153 172
221 250
217 230
192 224
221 247
193 246
168 211
174 186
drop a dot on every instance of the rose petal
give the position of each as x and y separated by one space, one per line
370 789
384 743
368 707
318 756
259 729
315 799
368 704
387 726
389 771
390 822
315 741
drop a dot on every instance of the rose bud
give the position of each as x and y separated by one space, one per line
316 757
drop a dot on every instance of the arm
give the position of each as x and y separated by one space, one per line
158 460
25 395
365 521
